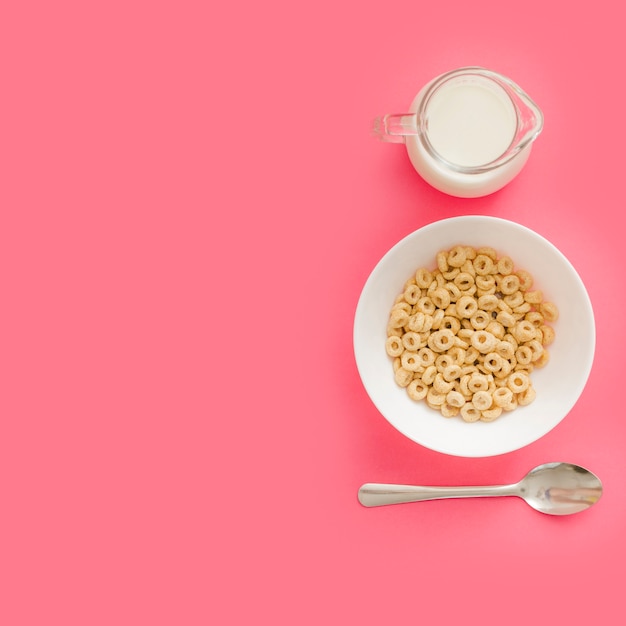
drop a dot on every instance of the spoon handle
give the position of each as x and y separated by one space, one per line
377 494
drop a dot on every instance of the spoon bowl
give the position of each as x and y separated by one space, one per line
551 488
560 488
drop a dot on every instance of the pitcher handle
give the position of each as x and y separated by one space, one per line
394 127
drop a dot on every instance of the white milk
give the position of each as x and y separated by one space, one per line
469 124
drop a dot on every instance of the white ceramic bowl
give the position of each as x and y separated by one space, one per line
558 384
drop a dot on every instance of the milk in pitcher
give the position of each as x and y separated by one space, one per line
468 132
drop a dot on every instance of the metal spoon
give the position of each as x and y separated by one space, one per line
553 488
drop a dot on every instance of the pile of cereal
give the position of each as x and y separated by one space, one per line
466 336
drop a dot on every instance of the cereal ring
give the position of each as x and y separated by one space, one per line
482 400
515 299
397 332
477 382
440 385
466 306
412 294
441 340
425 305
511 406
470 413
458 355
505 349
486 284
518 381
416 322
470 291
442 361
506 319
524 331
453 290
447 410
434 398
505 370
491 414
399 317
457 256
496 329
524 355
548 334
426 356
411 341
451 323
526 397
483 265
535 318
423 278
455 398
410 361
428 376
488 302
533 297
452 372
505 266
549 311
440 297
417 389
483 341
509 284
451 274
403 377
464 281
493 362
480 320
394 346
502 396
525 280
522 309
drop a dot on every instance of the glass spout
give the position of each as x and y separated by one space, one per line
394 127
530 118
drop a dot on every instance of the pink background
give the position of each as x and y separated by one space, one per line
190 205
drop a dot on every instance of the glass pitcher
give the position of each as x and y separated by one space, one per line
468 132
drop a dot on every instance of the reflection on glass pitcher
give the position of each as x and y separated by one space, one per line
468 132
